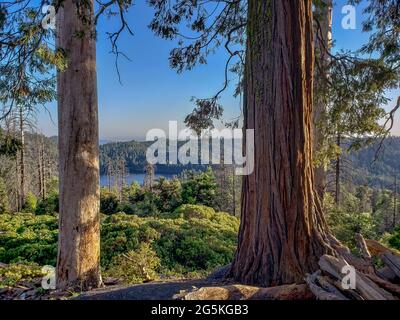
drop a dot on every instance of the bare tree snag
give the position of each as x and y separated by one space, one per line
78 263
22 187
323 43
283 232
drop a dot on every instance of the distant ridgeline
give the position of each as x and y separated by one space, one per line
360 165
365 169
133 153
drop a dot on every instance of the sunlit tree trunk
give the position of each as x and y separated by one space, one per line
338 168
282 232
22 159
323 43
78 263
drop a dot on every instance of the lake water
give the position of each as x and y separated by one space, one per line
132 177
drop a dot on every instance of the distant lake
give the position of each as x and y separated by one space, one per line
132 177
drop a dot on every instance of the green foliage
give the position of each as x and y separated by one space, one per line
48 206
168 194
30 203
109 201
4 204
189 211
14 273
394 239
199 187
26 237
148 206
345 221
182 245
9 145
135 266
192 240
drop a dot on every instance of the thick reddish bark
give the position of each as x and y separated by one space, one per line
282 232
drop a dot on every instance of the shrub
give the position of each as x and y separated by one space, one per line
4 203
189 211
199 188
168 194
14 273
48 206
26 237
167 246
394 239
109 202
30 203
135 266
345 225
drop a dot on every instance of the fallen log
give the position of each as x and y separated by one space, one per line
323 290
360 264
392 261
377 248
387 274
349 293
390 287
363 285
390 257
243 292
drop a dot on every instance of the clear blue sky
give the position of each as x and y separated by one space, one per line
151 93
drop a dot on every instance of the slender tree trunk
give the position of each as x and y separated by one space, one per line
78 263
44 170
22 159
234 190
337 172
40 170
323 42
17 189
283 232
109 174
395 202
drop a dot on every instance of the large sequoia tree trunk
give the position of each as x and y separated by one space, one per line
78 263
283 232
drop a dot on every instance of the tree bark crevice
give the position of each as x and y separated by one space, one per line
283 232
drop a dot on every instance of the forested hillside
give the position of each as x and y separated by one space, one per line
310 210
375 166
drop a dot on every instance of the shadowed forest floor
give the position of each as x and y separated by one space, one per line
146 291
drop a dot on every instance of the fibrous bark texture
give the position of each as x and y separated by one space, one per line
283 232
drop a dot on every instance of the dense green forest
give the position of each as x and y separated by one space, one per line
373 165
312 213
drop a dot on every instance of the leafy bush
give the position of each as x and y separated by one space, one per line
135 266
394 239
48 206
199 188
188 211
345 225
26 237
30 203
4 203
168 194
109 201
14 273
178 246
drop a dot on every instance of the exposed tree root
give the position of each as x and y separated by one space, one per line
368 284
331 282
